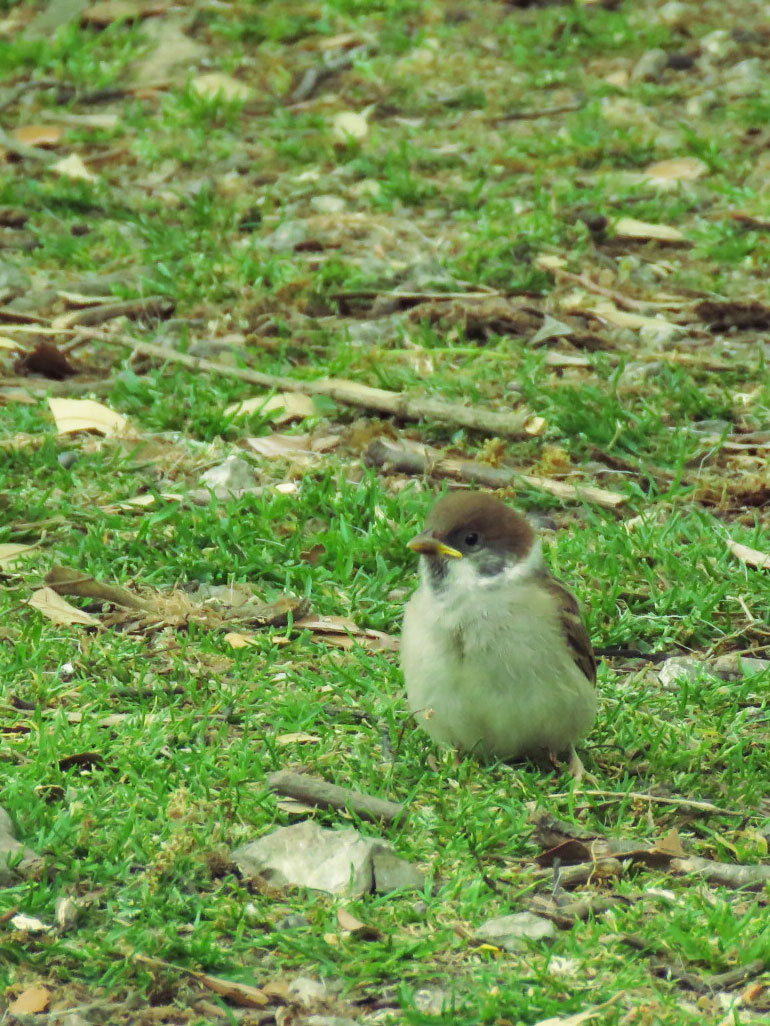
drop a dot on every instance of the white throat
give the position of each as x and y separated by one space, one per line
464 590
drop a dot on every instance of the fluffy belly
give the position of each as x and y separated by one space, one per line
516 695
522 716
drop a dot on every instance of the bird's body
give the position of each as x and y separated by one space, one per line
496 659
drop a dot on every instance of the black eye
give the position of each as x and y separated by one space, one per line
471 539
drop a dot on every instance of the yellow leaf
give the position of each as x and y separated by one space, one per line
679 169
237 640
349 126
297 737
38 135
59 610
86 415
761 560
30 1001
290 406
12 552
630 228
73 167
216 85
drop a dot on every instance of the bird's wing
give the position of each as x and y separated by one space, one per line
575 631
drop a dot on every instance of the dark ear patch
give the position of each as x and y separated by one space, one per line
499 526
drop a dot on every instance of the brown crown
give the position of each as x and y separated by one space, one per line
500 526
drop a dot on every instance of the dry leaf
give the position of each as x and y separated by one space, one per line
73 167
671 844
59 610
348 126
278 990
172 53
109 11
551 262
66 581
289 406
106 121
86 415
679 169
761 560
337 630
607 311
242 994
297 737
578 1018
237 640
630 228
361 930
570 1020
30 924
216 85
11 553
276 446
535 425
30 1001
38 135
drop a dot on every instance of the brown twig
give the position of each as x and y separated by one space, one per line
565 916
625 302
25 87
510 424
386 454
724 873
319 792
146 306
686 803
533 115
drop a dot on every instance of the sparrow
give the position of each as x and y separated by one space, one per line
496 656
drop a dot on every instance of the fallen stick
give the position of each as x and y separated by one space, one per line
727 874
385 454
319 792
350 392
682 803
147 306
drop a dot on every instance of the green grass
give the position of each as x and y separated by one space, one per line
469 197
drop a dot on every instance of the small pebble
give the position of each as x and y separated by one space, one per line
650 66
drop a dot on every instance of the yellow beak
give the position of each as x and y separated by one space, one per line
426 545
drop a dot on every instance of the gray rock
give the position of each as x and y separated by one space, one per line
328 204
745 78
676 15
734 667
392 873
335 861
10 848
306 991
432 1000
718 43
512 932
287 236
650 66
295 921
230 478
681 668
13 279
331 1020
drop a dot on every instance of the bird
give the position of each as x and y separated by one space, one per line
496 657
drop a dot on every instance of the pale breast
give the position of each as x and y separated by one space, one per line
494 677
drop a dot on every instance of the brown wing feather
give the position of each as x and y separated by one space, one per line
574 629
